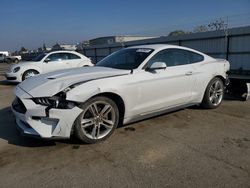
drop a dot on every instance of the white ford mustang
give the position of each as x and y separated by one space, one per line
129 85
46 62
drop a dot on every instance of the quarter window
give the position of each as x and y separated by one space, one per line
73 56
194 57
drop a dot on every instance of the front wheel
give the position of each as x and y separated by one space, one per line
214 94
98 120
29 73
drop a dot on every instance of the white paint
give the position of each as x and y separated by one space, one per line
44 67
143 92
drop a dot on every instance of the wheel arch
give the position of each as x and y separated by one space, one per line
119 102
29 69
221 77
205 86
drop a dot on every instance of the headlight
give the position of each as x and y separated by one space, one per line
59 100
16 69
54 102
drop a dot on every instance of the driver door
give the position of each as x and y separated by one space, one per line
165 88
56 61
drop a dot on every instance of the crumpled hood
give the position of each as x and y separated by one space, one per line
46 85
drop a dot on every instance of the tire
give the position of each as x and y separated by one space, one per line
214 94
16 61
98 120
29 73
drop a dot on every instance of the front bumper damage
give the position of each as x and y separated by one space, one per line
32 120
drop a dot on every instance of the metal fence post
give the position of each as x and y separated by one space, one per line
179 42
95 56
228 43
84 51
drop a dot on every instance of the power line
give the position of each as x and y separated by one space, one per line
234 20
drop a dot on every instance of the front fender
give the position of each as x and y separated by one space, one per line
31 67
87 90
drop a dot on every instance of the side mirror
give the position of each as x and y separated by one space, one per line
157 65
47 60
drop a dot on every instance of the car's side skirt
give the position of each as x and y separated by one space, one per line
156 113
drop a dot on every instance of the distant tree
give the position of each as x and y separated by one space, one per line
217 25
85 43
177 33
23 49
200 28
40 49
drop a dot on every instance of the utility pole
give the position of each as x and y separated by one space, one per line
226 38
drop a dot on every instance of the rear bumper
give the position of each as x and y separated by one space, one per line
227 81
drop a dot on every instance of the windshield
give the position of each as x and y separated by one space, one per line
126 59
39 57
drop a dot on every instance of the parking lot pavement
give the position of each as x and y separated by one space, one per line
3 68
187 148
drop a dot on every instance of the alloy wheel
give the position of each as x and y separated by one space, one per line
98 119
29 74
216 92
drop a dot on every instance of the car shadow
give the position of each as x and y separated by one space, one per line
231 97
10 133
6 83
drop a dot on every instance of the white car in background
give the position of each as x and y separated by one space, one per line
129 85
45 63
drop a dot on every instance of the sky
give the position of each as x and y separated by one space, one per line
31 23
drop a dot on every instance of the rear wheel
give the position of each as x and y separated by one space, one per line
16 61
214 94
98 120
29 73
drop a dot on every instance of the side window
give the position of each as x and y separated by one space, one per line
180 57
64 56
58 57
172 57
54 57
73 56
162 56
194 57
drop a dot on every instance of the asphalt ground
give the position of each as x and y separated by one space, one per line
187 148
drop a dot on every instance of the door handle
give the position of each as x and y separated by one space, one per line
189 73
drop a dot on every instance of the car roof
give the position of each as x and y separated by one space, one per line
69 51
155 46
63 51
159 47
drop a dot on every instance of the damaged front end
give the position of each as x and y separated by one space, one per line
45 117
